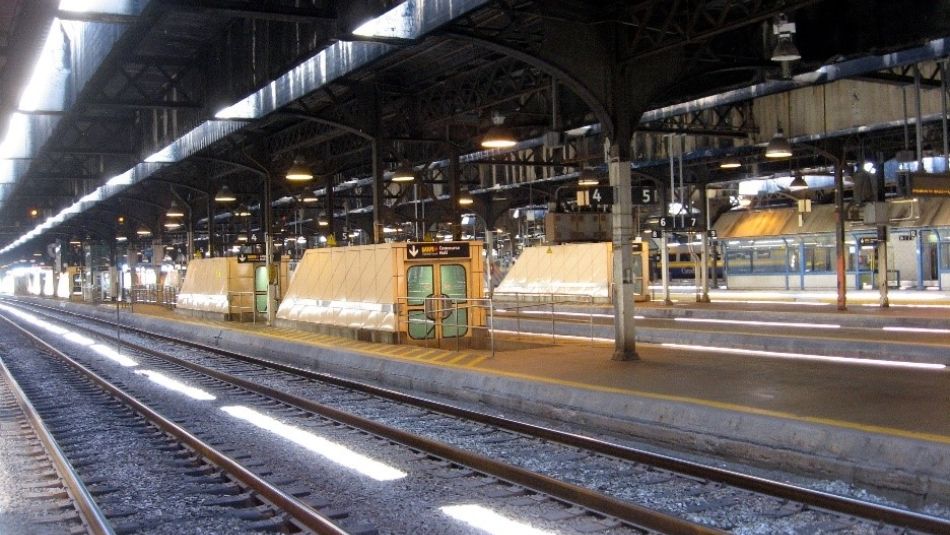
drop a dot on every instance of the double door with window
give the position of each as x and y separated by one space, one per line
437 301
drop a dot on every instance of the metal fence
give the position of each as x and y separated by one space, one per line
536 318
152 294
572 309
435 310
241 304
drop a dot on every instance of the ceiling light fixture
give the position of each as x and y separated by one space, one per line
778 146
785 49
798 183
404 173
174 210
588 178
498 136
299 171
731 162
225 195
466 200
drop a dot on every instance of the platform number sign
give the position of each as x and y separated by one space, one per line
645 195
680 222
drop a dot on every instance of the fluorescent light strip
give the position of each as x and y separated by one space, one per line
177 386
916 330
114 356
763 323
332 451
489 521
803 356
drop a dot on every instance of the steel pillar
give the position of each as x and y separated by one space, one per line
625 345
840 245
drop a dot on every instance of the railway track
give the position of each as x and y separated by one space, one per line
112 444
36 472
539 460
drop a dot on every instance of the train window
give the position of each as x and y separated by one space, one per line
819 255
738 261
770 259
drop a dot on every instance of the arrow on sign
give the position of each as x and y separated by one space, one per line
413 251
242 258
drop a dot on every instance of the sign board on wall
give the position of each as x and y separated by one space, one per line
431 250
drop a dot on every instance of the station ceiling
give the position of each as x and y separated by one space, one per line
148 103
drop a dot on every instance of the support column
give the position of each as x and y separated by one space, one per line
454 196
272 281
840 245
210 252
622 215
377 191
328 213
704 204
882 266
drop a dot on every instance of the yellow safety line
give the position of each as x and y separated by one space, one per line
476 361
459 358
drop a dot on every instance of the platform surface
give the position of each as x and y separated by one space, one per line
909 403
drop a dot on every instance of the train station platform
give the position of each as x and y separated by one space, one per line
883 426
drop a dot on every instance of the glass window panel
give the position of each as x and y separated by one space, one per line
419 284
454 284
420 327
738 260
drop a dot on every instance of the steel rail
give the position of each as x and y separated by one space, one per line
815 498
301 513
633 514
90 513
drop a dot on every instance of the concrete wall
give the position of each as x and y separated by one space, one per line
351 287
573 269
208 283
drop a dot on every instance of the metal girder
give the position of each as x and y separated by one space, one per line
659 25
734 120
313 117
479 88
904 75
254 10
147 83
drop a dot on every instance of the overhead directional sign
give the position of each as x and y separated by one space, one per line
431 250
680 222
244 258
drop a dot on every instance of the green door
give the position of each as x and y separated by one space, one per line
436 299
260 289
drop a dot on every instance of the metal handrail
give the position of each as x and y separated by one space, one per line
241 309
490 305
